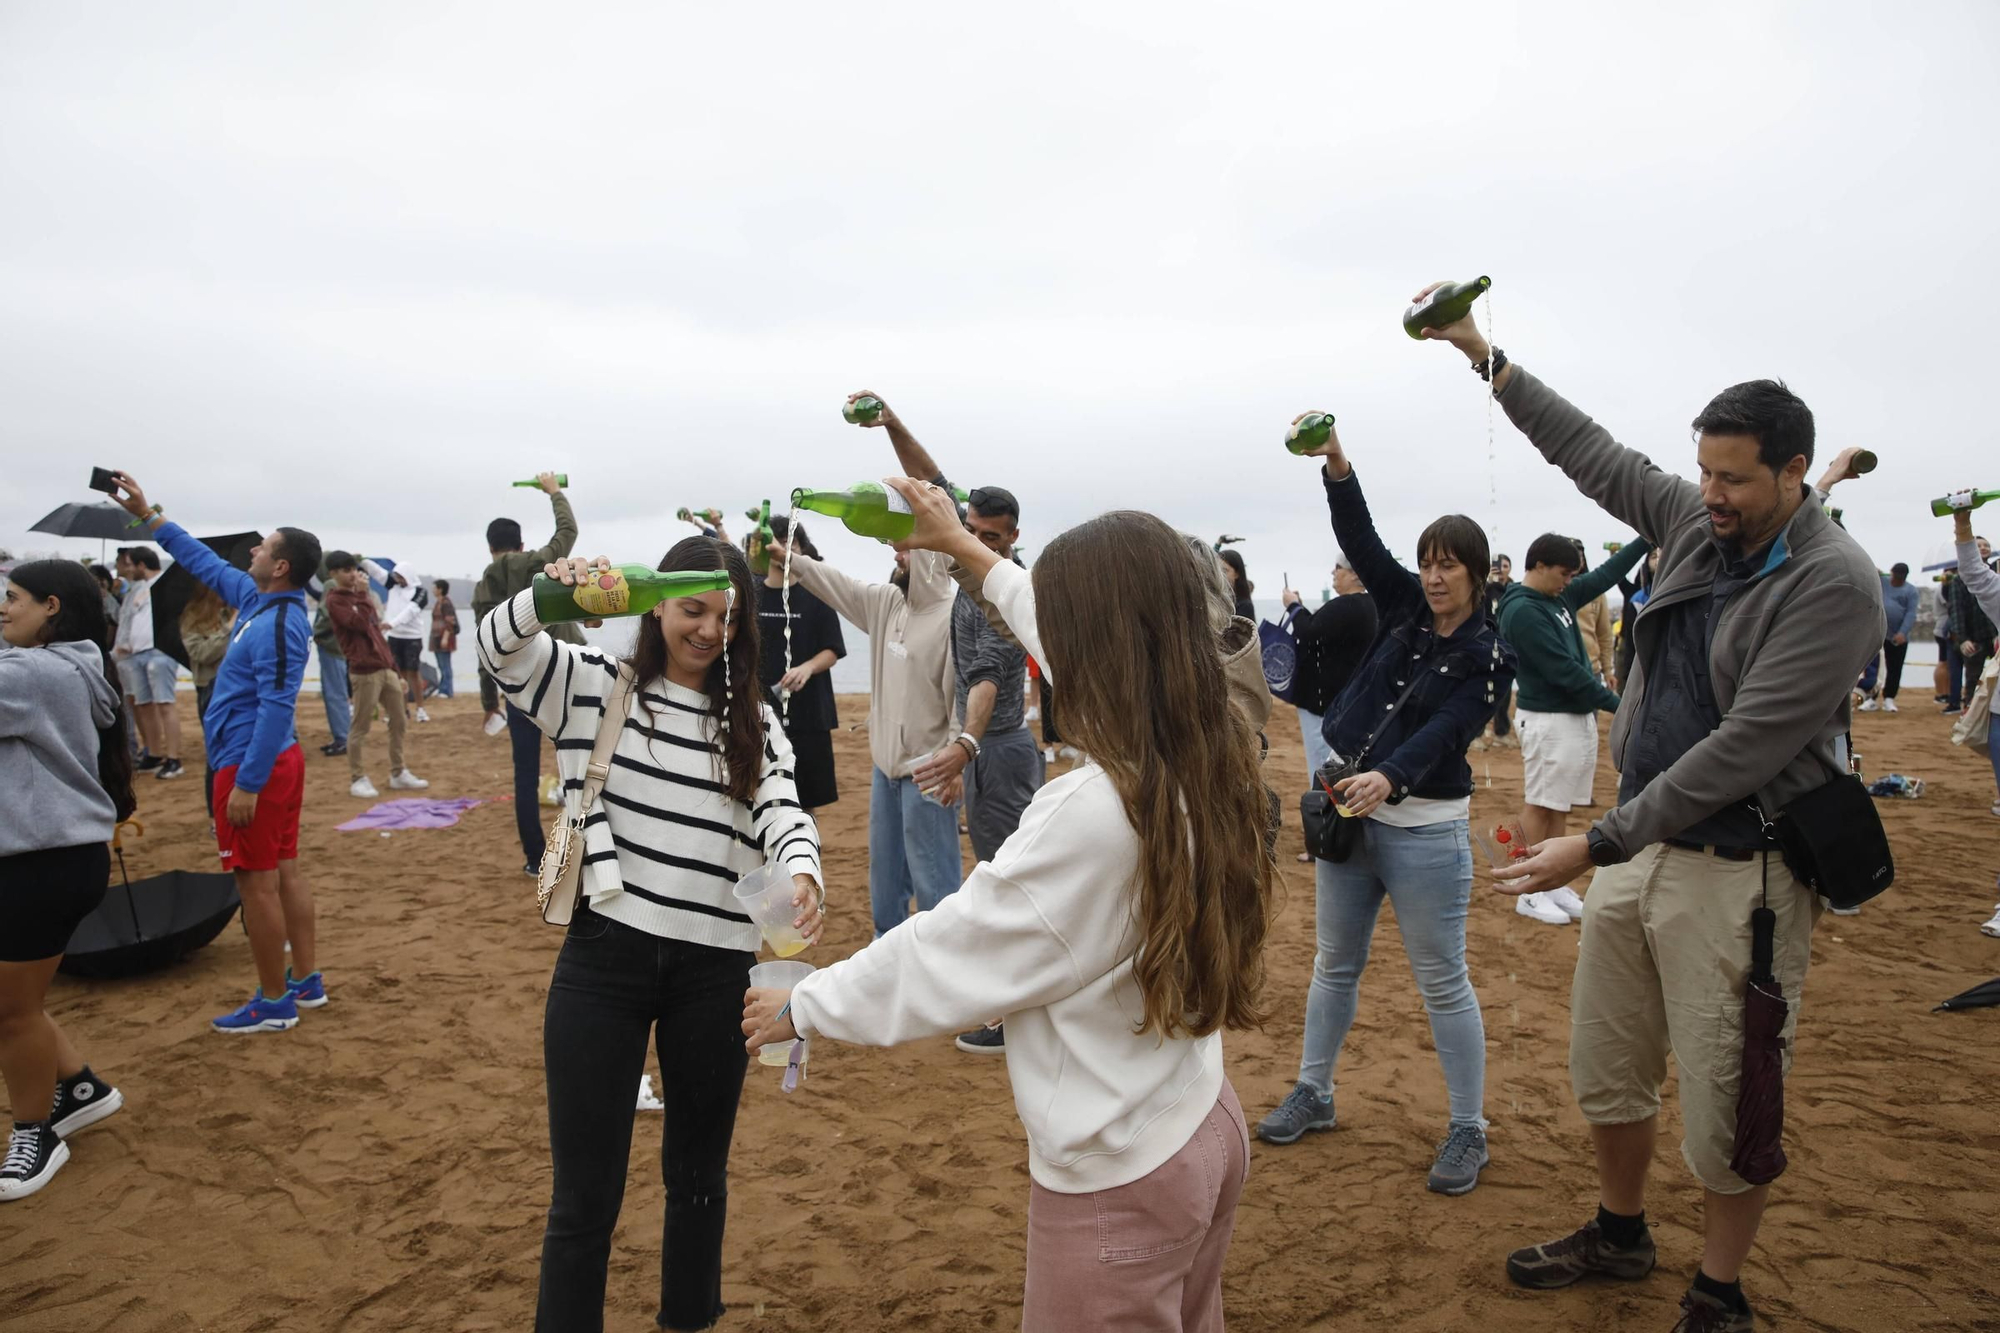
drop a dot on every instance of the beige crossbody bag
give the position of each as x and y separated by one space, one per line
560 882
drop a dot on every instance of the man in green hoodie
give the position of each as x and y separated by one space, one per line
1559 696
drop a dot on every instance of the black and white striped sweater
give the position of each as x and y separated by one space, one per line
665 843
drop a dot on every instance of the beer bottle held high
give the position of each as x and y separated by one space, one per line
761 538
1947 505
620 590
868 508
1447 305
562 480
1309 432
863 411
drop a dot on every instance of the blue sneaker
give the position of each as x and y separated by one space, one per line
308 992
260 1015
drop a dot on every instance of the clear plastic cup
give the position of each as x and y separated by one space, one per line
1337 769
765 896
1504 842
780 976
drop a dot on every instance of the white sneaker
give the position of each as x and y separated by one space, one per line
647 1101
1867 705
1567 899
406 781
1537 907
1888 705
495 724
422 716
1992 927
363 788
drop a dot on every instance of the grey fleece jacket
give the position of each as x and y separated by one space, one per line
1786 650
52 702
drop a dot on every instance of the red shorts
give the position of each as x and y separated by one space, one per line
273 835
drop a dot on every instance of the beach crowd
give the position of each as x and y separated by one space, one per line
1113 927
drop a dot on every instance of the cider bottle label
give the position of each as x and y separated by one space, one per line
605 594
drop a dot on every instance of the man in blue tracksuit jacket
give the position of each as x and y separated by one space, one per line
254 749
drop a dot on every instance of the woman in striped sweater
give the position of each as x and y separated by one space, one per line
700 793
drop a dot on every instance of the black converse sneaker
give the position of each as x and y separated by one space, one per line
34 1153
82 1101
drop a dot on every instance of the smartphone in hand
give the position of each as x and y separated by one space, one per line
103 479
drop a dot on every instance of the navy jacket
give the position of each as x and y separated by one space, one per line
1422 750
251 713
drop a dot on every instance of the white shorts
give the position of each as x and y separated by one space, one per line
1558 757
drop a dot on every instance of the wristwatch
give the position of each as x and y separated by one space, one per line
1602 853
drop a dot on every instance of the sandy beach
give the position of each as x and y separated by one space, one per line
384 1166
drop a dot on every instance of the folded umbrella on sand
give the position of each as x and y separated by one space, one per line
1979 997
1760 1105
154 923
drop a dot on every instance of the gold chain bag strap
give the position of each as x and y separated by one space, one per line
559 883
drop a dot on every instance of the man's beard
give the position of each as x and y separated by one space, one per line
900 578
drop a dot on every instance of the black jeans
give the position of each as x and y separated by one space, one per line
1893 654
613 984
526 739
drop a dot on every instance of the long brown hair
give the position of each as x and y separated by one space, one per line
205 611
733 694
80 618
1124 615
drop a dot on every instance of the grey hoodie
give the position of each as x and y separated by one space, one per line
52 701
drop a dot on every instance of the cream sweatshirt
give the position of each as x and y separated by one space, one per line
1045 935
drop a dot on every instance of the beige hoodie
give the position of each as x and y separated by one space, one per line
909 654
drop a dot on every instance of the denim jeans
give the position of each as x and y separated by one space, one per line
912 851
333 696
526 739
1312 726
613 985
1426 872
1993 750
444 674
1954 669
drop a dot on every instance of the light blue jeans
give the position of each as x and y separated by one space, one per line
1426 872
333 696
1312 726
912 851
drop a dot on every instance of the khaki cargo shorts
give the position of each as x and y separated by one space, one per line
1661 967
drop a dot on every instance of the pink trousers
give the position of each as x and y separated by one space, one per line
1144 1256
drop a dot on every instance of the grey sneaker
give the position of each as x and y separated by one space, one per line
1302 1109
1580 1254
1459 1159
1702 1313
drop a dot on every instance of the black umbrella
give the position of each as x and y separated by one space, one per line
152 924
173 590
105 521
1979 997
1760 1105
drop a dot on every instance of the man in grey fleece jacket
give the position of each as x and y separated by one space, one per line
1762 615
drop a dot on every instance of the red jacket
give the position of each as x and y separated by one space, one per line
357 624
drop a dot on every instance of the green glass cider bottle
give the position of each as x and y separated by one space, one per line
621 590
862 411
562 480
868 508
761 538
1309 432
1947 505
1447 305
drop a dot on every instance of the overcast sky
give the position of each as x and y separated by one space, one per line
356 266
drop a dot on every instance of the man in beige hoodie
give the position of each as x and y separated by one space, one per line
913 848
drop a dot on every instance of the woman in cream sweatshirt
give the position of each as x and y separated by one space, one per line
1118 931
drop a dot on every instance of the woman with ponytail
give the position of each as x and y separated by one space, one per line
700 793
68 775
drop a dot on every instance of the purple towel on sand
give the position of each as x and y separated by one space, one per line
413 812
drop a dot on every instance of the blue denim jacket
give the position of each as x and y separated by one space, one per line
1422 750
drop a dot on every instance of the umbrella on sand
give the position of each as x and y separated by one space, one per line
1760 1105
152 924
176 588
104 521
1979 997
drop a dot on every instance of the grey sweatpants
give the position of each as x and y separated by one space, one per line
998 786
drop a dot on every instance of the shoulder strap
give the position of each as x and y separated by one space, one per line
608 728
1394 709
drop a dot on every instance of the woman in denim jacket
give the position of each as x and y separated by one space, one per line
1412 796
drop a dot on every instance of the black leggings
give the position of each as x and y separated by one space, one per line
612 986
1893 654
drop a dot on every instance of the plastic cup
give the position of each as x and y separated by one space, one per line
1336 769
779 976
765 896
1504 843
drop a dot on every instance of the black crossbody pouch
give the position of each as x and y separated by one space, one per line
1832 840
